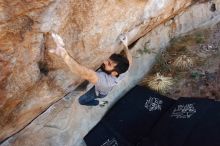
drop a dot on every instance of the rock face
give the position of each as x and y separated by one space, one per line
31 79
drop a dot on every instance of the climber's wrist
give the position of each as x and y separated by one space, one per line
64 54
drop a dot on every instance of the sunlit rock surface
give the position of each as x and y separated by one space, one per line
31 79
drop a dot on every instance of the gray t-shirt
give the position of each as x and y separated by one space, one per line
106 83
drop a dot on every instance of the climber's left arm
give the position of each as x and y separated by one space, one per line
75 67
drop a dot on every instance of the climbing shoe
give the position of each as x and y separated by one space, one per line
103 103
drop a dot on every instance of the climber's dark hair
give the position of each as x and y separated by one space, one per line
122 63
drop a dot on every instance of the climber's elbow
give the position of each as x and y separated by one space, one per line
130 60
89 75
92 79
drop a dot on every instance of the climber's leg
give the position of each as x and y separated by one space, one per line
89 98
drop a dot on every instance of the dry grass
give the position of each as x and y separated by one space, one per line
183 62
158 83
176 62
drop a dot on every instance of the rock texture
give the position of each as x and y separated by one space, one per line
31 79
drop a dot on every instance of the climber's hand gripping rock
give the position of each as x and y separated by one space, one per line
123 38
59 50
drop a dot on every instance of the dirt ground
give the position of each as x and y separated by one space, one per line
203 78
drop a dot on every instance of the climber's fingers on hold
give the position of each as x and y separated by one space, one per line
58 40
123 38
59 51
55 51
52 51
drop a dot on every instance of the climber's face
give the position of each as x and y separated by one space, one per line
108 67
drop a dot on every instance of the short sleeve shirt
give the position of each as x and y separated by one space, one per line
106 83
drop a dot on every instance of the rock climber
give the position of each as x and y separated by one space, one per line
111 72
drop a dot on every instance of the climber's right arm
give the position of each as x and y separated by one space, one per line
124 41
74 66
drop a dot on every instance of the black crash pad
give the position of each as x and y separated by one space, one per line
207 131
189 122
132 117
177 126
145 118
